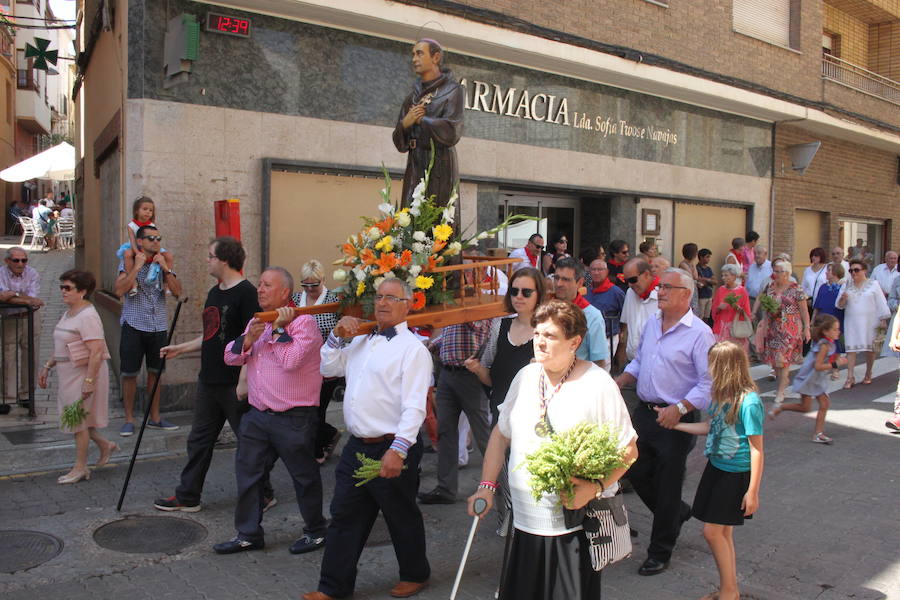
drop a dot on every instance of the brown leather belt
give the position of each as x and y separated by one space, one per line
388 437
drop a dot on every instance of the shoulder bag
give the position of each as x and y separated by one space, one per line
741 328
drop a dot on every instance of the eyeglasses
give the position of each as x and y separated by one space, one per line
66 287
526 292
632 280
388 298
19 260
856 270
152 238
668 287
311 285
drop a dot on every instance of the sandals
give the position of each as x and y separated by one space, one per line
821 438
867 380
849 383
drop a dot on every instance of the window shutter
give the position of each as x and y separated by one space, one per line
768 20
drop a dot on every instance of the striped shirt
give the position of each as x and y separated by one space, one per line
282 370
146 310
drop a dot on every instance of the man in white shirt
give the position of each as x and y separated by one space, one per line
886 272
388 373
640 305
759 274
530 253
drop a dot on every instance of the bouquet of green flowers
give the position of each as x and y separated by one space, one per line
368 470
770 305
732 300
586 451
74 414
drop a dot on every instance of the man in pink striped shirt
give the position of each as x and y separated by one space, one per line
283 381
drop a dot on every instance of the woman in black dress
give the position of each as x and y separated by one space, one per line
558 248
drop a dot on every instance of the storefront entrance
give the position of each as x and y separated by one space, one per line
556 214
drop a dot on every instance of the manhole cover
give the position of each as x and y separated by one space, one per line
379 536
149 535
21 550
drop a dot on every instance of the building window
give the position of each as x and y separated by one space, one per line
767 20
862 239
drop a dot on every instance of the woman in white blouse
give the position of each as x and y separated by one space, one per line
547 560
865 311
815 275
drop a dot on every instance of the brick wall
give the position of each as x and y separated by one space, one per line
854 35
884 49
844 180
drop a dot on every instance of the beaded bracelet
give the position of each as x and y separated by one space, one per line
488 485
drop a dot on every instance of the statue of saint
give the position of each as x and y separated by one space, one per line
433 112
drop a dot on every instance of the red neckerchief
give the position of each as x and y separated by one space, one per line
652 287
580 302
615 263
605 285
141 223
532 257
737 255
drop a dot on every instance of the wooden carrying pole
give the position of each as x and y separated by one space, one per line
473 303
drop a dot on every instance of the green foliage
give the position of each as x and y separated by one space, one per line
369 469
74 414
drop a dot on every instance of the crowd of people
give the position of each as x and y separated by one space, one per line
45 214
609 338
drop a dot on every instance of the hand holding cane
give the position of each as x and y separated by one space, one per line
479 506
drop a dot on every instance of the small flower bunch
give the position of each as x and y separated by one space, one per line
732 300
770 305
406 243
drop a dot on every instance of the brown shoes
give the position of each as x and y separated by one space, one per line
405 589
317 596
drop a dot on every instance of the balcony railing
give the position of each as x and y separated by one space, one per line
856 77
28 81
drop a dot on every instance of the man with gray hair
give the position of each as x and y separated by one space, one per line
283 382
673 384
19 284
388 374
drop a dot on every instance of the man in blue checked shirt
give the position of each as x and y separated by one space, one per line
144 324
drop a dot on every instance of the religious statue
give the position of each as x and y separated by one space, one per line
433 112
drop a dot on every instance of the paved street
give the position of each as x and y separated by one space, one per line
826 528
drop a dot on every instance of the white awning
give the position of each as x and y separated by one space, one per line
57 163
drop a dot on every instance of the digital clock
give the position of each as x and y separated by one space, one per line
228 25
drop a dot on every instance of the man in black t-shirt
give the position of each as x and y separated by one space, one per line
229 307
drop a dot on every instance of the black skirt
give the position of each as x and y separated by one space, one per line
549 568
719 496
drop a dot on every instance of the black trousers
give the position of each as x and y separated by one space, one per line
658 475
213 406
326 432
265 437
458 391
353 513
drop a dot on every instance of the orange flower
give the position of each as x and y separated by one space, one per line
385 262
432 263
367 256
405 258
438 245
418 300
385 225
349 249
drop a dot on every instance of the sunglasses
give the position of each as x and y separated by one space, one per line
526 292
632 280
19 260
310 285
152 238
857 270
66 287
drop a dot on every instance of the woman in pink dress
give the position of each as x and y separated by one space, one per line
78 378
781 335
724 314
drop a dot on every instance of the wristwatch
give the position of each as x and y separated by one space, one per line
278 331
172 273
682 409
602 489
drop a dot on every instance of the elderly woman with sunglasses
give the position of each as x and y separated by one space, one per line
81 376
865 310
313 293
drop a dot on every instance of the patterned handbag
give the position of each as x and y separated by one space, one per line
607 530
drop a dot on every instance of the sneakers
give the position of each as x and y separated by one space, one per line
821 438
269 503
307 544
127 430
237 545
171 504
162 424
893 424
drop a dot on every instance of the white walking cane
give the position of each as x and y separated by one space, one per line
479 506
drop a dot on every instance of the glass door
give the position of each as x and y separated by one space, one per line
555 215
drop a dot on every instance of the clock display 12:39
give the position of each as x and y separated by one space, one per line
229 25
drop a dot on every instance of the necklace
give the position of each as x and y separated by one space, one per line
542 428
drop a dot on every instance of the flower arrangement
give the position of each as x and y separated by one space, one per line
770 305
732 300
407 243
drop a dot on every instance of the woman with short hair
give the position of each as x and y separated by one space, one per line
724 314
80 353
865 310
547 560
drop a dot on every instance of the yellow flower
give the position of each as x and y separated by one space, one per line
442 232
360 288
386 244
423 282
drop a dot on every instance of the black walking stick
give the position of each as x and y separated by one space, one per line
137 444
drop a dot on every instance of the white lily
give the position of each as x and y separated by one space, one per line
386 208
